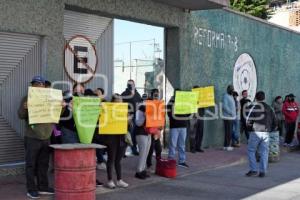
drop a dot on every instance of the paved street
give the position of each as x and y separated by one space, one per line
282 182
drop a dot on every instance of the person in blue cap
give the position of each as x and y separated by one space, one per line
37 140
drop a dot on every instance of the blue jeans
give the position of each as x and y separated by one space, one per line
177 139
236 131
258 141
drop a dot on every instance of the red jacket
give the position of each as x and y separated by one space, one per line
290 111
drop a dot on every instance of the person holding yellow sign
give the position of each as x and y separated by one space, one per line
178 129
114 137
37 140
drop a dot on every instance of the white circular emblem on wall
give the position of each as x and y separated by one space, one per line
244 76
80 59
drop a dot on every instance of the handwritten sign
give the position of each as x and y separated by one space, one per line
206 97
155 113
86 112
44 105
114 119
186 102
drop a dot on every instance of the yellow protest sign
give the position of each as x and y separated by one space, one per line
185 102
113 118
44 105
206 97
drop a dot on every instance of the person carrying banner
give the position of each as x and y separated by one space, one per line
178 133
37 140
116 147
155 136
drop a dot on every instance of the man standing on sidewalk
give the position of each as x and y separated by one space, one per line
244 103
228 115
178 133
133 98
290 110
260 122
37 140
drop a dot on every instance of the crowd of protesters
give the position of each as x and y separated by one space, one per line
256 119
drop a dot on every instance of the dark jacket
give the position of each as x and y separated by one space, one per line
244 103
67 120
37 131
132 100
261 118
176 121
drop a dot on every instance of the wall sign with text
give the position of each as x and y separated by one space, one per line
244 75
80 59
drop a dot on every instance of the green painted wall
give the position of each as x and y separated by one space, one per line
273 49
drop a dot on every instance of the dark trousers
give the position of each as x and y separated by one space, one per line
196 144
115 151
37 163
228 124
99 139
155 146
290 130
244 129
132 133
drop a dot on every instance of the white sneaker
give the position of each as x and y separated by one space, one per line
101 166
122 184
228 148
111 184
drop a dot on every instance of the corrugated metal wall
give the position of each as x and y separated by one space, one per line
20 60
99 30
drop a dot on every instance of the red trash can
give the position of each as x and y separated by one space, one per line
75 171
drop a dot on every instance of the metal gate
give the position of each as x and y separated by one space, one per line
20 59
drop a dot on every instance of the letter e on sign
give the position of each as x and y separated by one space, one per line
80 59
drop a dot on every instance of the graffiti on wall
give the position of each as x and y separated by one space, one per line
214 39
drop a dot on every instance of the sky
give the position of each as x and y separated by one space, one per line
126 31
142 38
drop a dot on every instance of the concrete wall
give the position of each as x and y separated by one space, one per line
45 18
273 49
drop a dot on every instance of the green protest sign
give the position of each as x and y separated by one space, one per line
86 112
186 102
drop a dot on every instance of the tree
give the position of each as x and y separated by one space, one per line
257 8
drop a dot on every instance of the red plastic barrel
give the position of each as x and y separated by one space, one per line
75 174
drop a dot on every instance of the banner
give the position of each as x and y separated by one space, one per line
114 119
206 96
86 112
186 102
44 105
155 113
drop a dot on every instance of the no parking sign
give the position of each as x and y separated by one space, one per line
80 59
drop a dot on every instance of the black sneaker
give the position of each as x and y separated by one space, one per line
183 165
98 183
144 173
200 150
33 195
48 191
140 175
262 174
251 173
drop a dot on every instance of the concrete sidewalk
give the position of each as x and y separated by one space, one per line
13 187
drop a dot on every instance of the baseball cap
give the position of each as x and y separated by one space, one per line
38 79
